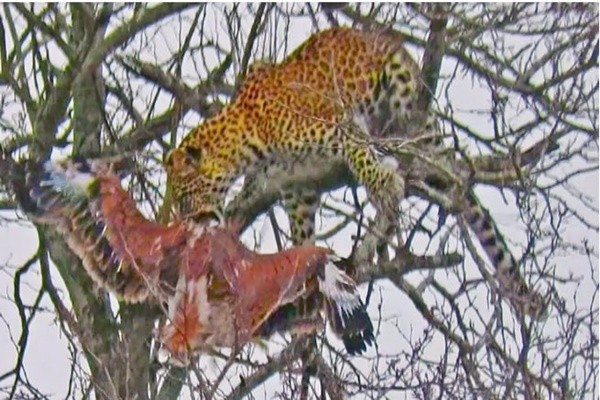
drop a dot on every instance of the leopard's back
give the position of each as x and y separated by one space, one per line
333 72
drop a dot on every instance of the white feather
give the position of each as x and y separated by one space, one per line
64 177
340 289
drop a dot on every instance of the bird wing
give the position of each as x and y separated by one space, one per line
120 249
268 281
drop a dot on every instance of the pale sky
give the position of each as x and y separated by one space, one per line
47 357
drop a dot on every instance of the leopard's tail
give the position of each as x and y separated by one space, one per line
511 283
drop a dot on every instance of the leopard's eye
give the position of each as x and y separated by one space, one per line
182 157
193 154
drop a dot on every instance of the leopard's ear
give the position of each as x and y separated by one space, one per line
171 157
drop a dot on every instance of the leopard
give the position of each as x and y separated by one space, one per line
331 98
309 94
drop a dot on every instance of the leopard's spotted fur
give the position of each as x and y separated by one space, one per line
338 90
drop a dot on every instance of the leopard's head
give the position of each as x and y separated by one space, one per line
190 200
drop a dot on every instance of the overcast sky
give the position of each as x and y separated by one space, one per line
47 353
